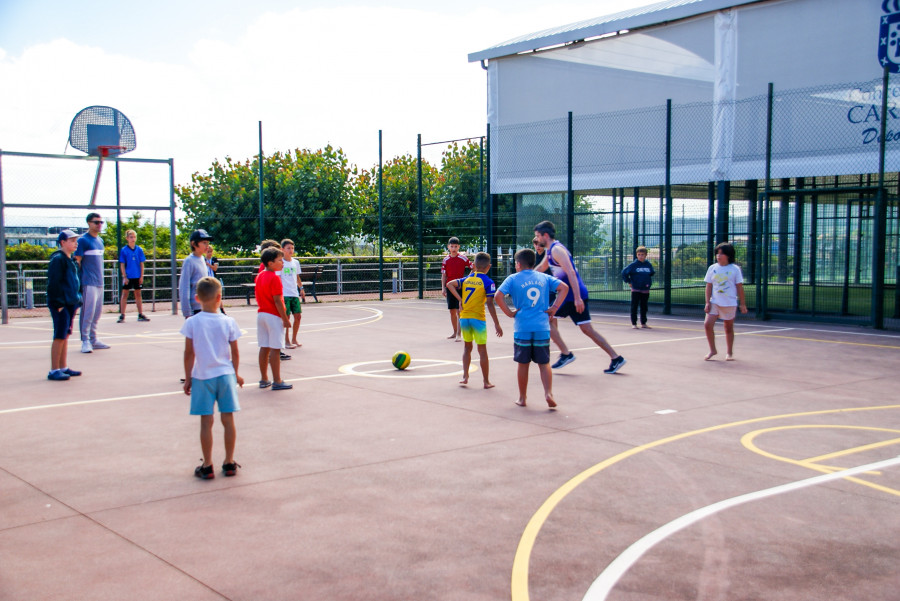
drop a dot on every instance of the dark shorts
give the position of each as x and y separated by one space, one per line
133 284
62 321
567 309
452 301
531 347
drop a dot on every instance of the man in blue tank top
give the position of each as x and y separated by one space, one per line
559 260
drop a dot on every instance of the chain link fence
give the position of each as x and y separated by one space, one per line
792 178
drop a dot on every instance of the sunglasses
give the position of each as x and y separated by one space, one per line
97 222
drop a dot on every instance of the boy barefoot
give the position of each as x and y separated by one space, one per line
477 292
453 267
530 291
211 373
724 287
271 319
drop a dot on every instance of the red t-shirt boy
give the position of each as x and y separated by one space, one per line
453 267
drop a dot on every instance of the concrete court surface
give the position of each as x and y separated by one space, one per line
364 482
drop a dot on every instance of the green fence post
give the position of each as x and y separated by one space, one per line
262 233
667 244
880 229
380 223
570 196
420 203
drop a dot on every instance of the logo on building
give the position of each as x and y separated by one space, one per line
889 36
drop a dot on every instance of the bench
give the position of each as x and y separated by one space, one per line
309 274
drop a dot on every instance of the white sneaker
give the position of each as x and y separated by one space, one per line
99 345
86 346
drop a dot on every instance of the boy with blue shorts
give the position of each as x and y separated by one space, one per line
530 292
63 299
211 373
477 292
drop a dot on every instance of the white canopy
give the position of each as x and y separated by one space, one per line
714 59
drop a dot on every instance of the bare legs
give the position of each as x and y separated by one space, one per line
709 325
546 380
58 352
454 321
206 437
482 361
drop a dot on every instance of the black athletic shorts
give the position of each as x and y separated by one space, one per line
452 301
567 309
132 284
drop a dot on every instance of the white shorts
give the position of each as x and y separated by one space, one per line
724 313
269 331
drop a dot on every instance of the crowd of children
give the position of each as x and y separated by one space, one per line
211 357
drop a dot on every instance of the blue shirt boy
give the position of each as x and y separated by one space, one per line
530 292
132 258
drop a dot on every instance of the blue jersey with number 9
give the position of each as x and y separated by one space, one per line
530 293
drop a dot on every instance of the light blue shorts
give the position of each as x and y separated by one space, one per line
206 393
473 330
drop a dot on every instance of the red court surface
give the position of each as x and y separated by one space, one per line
675 479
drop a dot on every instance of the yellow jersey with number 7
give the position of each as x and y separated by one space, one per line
475 290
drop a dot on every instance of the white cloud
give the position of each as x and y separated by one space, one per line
317 76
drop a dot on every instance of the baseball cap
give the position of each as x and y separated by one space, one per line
198 235
65 235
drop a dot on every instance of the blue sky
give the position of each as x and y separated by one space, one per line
196 76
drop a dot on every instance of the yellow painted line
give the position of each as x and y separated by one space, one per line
520 569
748 441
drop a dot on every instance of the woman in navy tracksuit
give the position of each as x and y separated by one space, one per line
639 275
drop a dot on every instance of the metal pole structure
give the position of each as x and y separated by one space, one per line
489 238
118 208
173 262
570 197
419 202
723 197
153 275
262 217
380 223
4 302
879 230
481 182
710 221
762 296
667 244
797 271
813 247
636 240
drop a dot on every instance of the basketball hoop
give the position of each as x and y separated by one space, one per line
101 131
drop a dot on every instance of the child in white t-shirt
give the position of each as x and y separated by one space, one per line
211 373
293 291
724 287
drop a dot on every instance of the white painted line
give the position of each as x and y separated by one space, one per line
665 411
605 582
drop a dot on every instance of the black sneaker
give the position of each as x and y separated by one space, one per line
121 318
615 365
285 356
563 360
205 473
230 469
142 317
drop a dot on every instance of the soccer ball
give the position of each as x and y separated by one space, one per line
400 360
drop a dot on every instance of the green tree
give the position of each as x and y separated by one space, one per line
309 196
400 202
459 195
